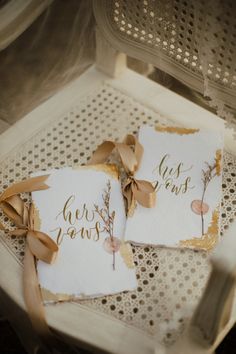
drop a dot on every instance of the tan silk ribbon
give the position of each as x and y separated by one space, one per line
130 152
38 246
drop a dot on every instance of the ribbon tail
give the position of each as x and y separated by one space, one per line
32 296
129 197
131 140
42 246
14 208
131 205
102 153
2 227
29 185
34 305
127 156
144 193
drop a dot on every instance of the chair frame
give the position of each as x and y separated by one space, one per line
110 333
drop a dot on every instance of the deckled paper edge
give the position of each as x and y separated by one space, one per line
109 169
127 254
49 296
210 238
171 130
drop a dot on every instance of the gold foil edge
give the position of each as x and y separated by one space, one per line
176 130
127 254
209 239
109 169
47 295
218 160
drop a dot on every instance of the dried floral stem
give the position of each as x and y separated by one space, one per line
107 218
208 175
110 219
202 216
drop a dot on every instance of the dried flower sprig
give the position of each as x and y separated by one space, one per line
199 206
208 175
111 244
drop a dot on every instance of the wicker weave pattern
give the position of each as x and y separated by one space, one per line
170 280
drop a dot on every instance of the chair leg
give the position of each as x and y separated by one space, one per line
108 59
186 345
139 66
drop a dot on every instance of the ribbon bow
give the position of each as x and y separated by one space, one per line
130 152
38 245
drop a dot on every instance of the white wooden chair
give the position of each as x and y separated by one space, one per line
170 312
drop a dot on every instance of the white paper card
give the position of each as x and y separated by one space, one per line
81 211
184 165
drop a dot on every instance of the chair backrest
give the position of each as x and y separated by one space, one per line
193 41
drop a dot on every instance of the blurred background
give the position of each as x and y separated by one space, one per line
57 47
47 46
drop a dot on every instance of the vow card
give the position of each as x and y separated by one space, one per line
83 212
184 166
